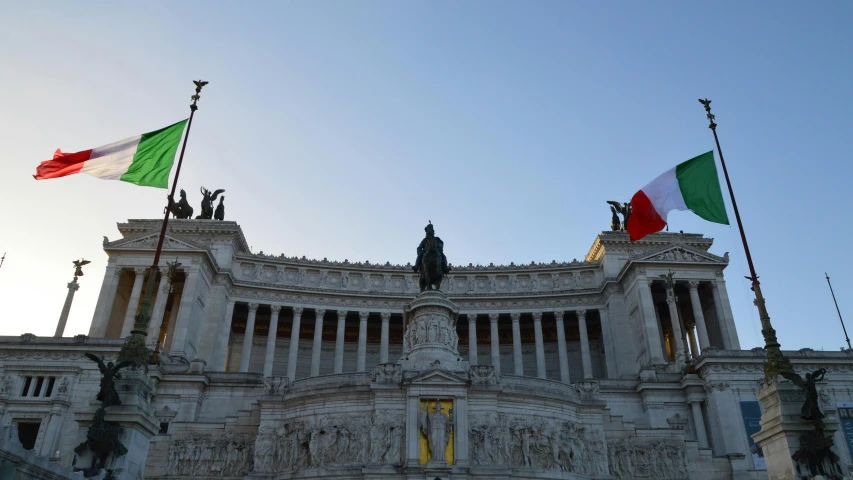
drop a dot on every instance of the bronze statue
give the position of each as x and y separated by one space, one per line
102 438
219 214
615 225
182 209
624 209
78 267
107 395
431 262
811 407
207 203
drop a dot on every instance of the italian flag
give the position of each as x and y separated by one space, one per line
144 160
692 185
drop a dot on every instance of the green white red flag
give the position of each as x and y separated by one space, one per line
692 185
144 160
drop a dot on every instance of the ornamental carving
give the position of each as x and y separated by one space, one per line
276 385
484 375
430 329
659 459
388 374
536 442
228 455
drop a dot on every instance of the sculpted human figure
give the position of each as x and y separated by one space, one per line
436 425
107 395
431 262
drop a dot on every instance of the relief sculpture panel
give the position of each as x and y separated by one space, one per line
660 459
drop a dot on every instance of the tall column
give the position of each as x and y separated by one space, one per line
133 302
73 286
221 352
159 309
699 421
383 345
676 328
339 342
701 329
269 359
104 307
184 326
361 362
607 338
691 340
561 347
586 360
317 348
540 345
472 338
496 349
518 367
246 353
724 318
651 326
293 353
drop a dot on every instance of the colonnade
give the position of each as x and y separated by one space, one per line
361 349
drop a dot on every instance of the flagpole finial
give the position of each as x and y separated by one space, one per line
707 104
195 98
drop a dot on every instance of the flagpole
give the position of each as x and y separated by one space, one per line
777 363
134 349
839 311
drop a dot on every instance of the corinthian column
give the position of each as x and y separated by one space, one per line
133 302
159 308
361 362
540 346
586 359
701 329
516 344
318 342
339 342
561 347
73 286
269 358
383 342
472 338
496 349
246 352
293 353
676 328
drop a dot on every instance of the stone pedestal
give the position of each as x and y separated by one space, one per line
136 425
783 433
430 334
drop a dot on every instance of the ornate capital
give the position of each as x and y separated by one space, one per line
559 314
140 271
693 284
342 314
386 317
472 317
715 286
297 311
581 314
362 315
515 316
319 313
253 307
537 316
493 317
275 309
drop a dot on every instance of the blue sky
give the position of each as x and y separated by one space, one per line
340 128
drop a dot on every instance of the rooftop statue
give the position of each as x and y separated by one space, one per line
207 203
219 214
625 210
431 262
182 209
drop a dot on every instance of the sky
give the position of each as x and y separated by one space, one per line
340 128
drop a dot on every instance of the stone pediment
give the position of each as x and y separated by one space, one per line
149 242
437 376
679 254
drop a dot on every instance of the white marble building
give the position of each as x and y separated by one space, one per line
288 368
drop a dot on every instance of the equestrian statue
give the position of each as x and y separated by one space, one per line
182 209
431 263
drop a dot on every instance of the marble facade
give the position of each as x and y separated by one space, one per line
288 368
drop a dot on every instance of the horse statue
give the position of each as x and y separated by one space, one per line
182 209
207 203
431 263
